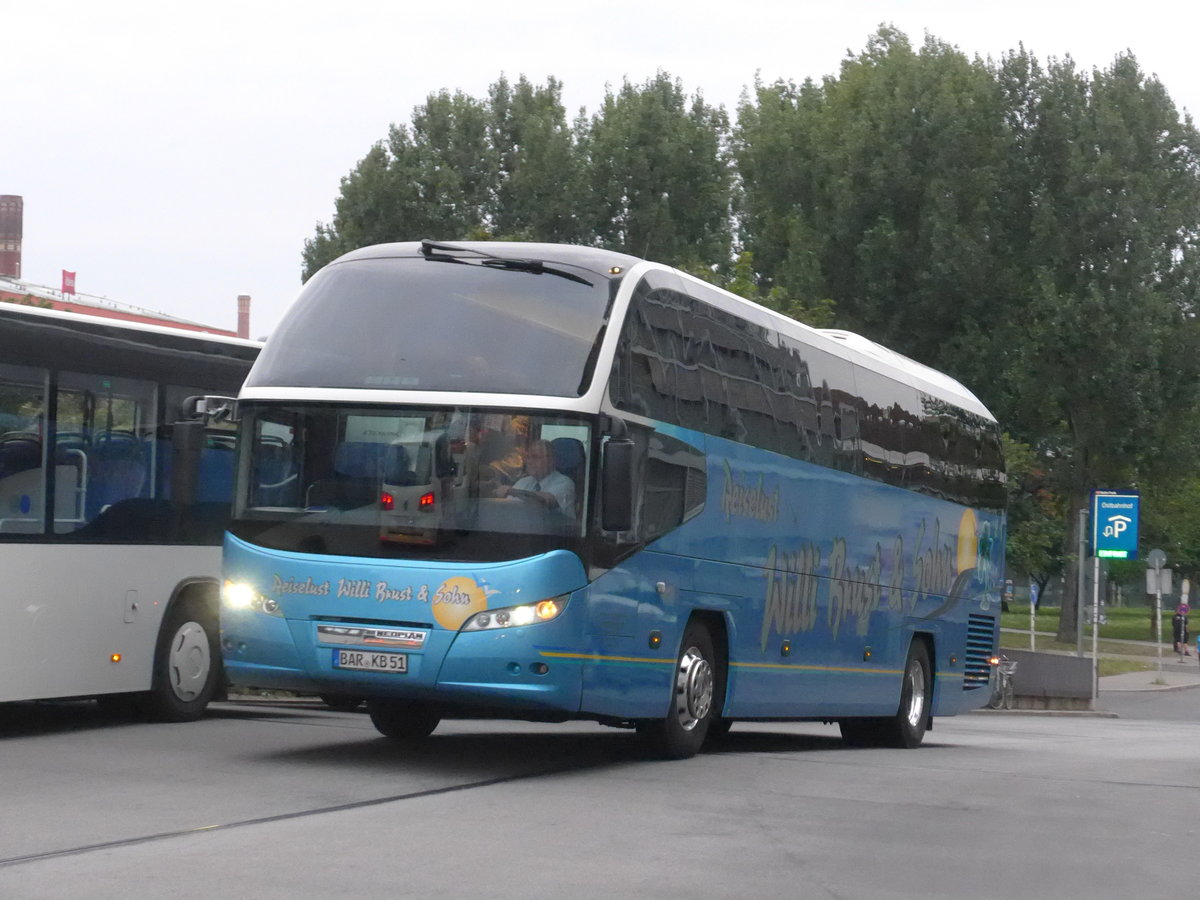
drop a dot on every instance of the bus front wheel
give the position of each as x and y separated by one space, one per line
693 698
186 664
403 720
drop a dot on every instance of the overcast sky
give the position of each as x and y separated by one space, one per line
175 159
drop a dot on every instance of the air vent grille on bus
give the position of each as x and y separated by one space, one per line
981 644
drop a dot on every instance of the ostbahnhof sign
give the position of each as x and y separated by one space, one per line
1115 524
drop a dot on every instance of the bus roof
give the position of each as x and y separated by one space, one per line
83 321
852 347
591 258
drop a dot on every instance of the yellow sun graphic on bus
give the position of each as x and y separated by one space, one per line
968 542
457 600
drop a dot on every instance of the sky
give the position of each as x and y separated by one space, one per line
175 156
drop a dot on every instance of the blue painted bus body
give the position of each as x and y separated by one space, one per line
834 575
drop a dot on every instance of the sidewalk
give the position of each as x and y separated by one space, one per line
1173 677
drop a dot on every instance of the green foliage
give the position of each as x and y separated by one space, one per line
1036 527
539 176
648 175
1027 227
875 189
657 181
741 279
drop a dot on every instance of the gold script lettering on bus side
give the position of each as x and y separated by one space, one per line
792 583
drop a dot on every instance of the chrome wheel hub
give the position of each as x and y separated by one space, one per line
693 689
915 678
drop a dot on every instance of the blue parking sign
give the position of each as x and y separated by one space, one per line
1115 524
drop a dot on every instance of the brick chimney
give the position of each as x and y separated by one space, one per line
12 215
243 315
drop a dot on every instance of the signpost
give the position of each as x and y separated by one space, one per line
1114 536
1155 560
1033 602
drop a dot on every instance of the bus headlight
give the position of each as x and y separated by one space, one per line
511 616
239 595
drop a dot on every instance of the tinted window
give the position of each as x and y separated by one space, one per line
392 481
85 440
684 361
415 324
675 481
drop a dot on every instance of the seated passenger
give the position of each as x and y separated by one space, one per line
543 482
501 454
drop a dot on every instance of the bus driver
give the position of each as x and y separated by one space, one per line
543 482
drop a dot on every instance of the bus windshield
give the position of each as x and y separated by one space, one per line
407 323
424 483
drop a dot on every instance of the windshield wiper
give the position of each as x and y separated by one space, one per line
536 266
436 252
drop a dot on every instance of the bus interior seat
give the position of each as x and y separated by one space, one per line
216 474
118 469
569 459
358 467
19 451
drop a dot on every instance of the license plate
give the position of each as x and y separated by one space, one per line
369 661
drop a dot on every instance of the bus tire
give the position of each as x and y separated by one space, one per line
403 720
718 731
186 664
905 729
681 733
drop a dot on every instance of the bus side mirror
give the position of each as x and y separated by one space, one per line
616 485
211 408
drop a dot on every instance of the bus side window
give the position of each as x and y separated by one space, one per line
676 484
22 478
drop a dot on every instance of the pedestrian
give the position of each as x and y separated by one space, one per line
1180 627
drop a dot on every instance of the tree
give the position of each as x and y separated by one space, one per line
657 174
876 189
1101 346
463 169
1036 527
539 178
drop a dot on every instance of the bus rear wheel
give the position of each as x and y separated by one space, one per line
186 664
403 720
907 727
681 733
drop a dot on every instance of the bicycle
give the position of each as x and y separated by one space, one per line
1002 682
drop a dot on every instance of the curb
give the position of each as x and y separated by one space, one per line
1150 688
1076 713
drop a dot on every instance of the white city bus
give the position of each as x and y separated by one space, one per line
111 512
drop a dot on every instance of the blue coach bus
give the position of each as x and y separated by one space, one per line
552 482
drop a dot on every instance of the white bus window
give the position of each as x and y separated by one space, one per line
104 445
22 476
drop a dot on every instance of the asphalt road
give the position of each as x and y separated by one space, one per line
1182 705
288 800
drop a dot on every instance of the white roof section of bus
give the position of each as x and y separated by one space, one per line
124 324
853 348
943 385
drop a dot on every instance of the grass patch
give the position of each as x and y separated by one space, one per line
1017 641
1133 623
1111 665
